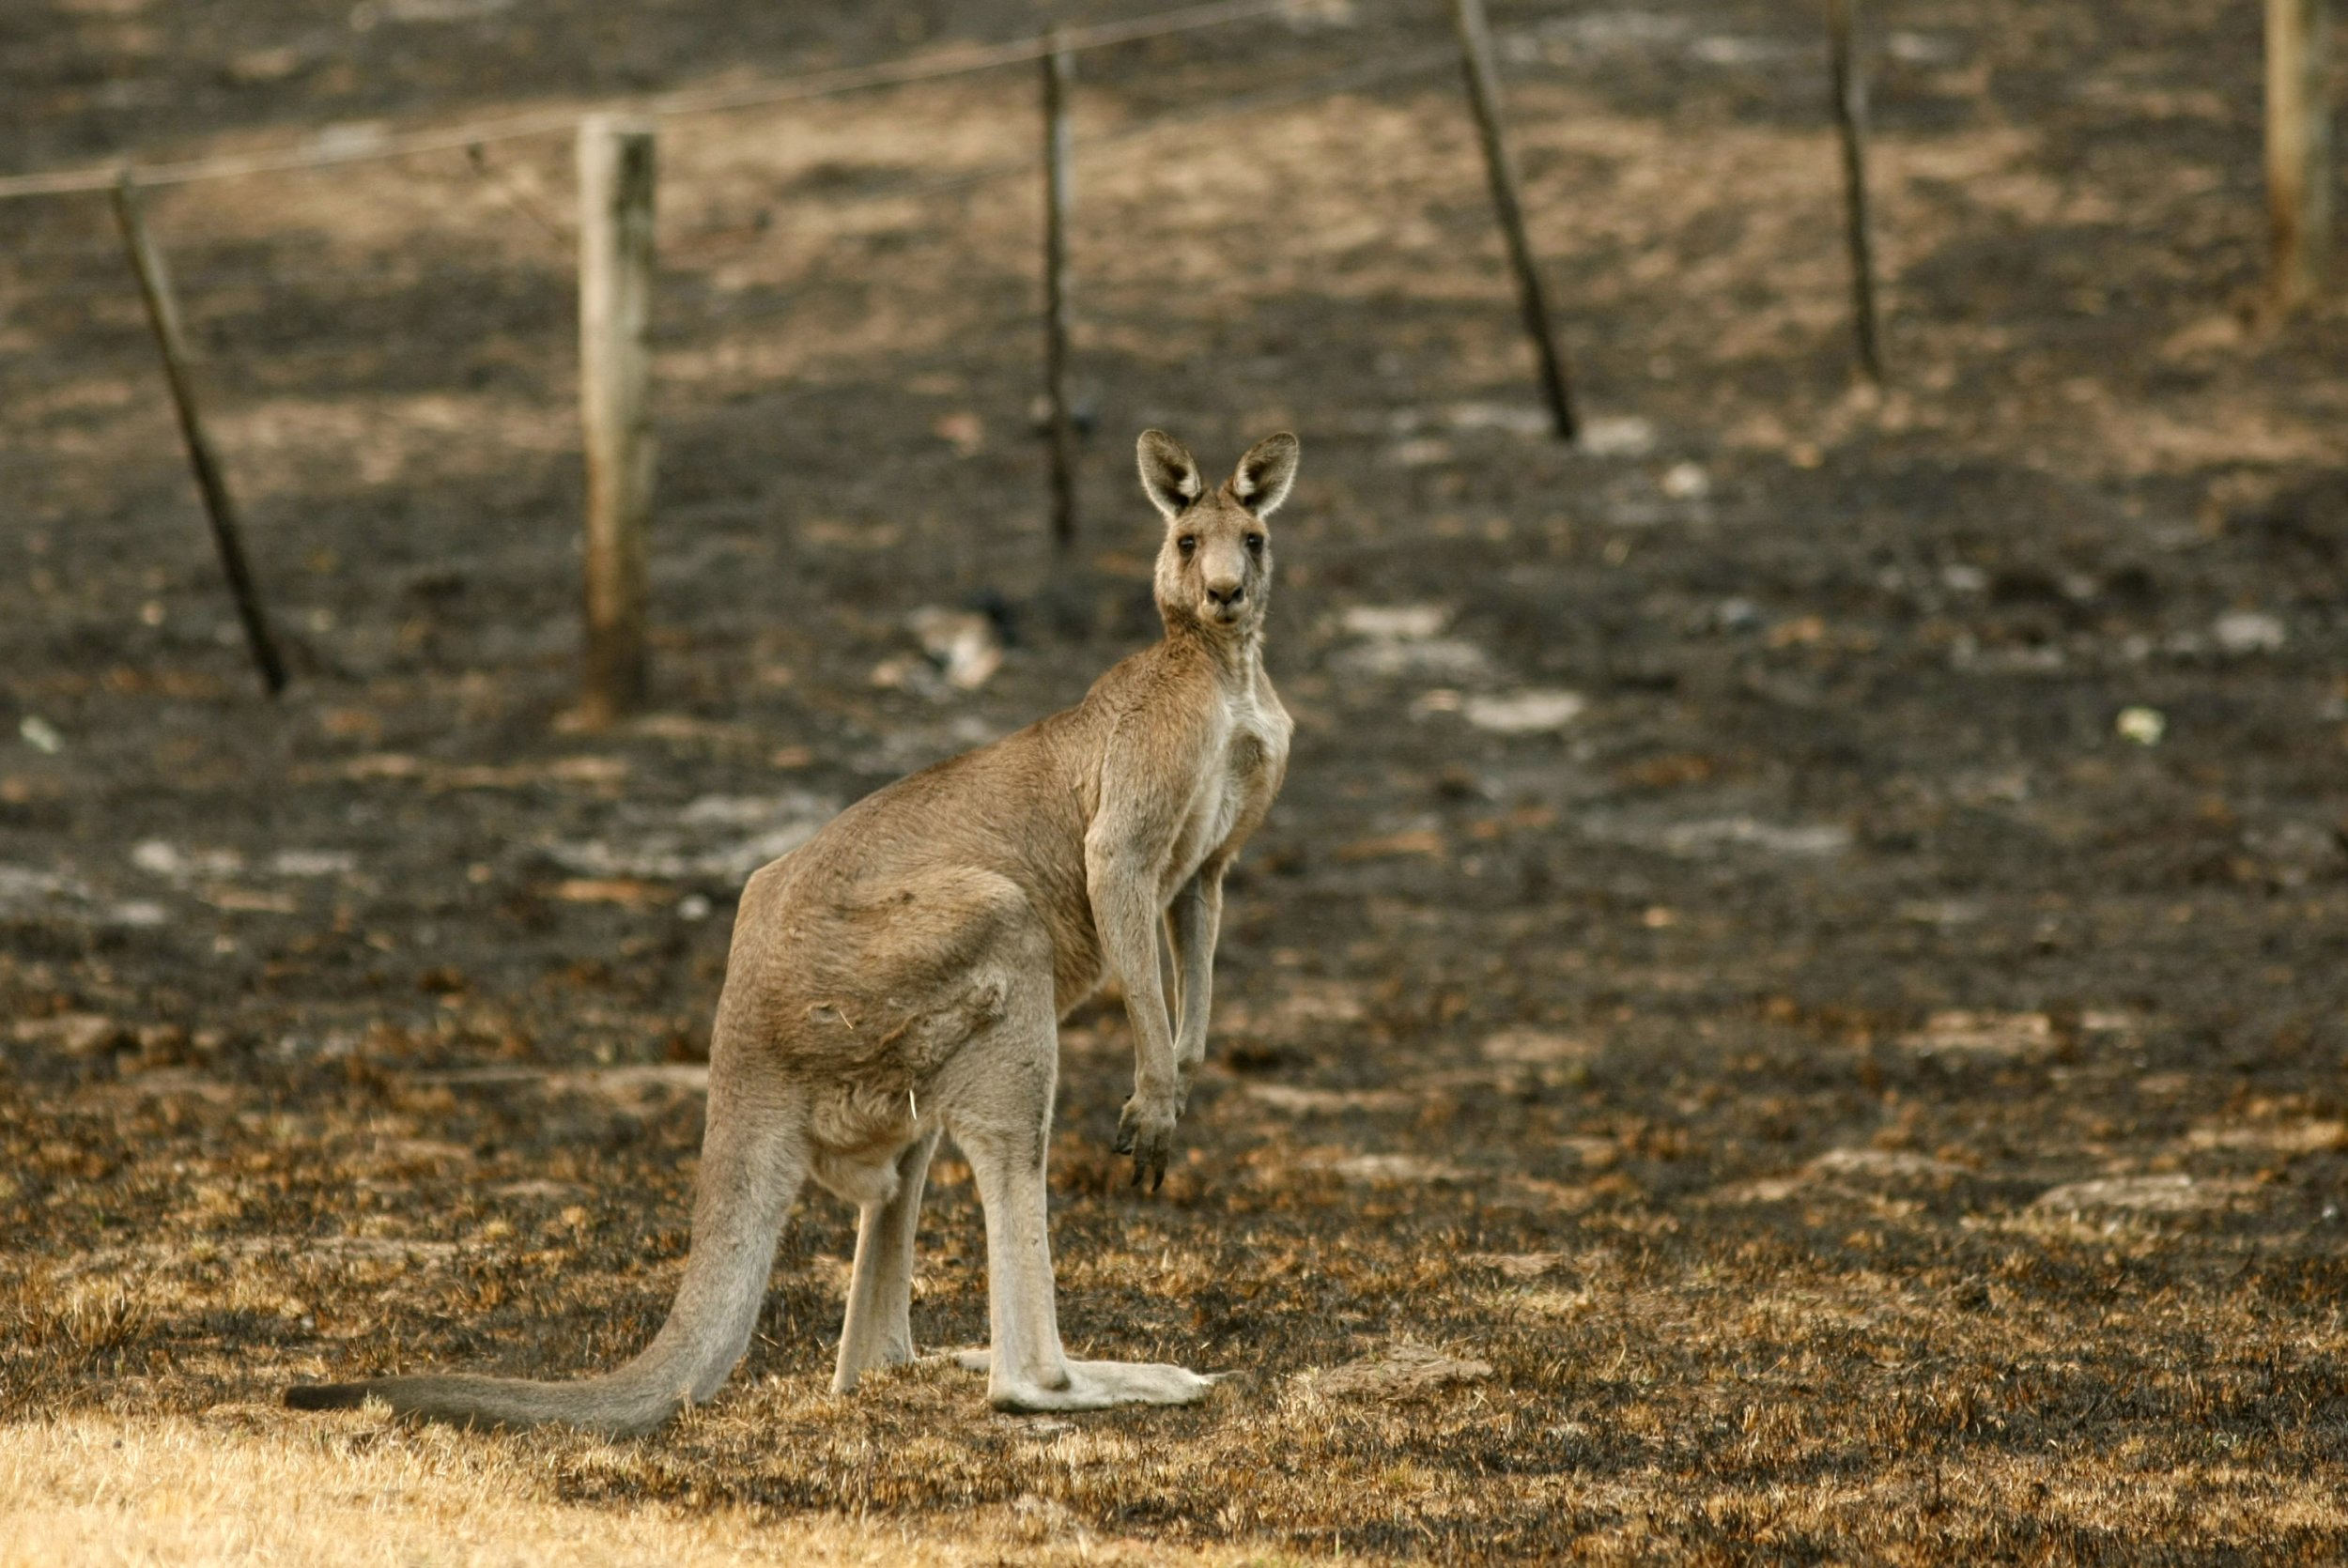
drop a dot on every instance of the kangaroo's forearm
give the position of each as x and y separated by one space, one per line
1191 928
1128 930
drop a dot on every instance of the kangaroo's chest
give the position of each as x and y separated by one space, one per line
1240 774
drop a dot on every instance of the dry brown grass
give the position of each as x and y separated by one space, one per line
249 1486
1872 1353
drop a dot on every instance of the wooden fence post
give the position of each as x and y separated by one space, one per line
1059 74
615 263
1850 120
1499 165
2299 148
162 315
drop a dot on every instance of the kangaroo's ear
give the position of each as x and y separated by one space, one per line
1170 474
1265 474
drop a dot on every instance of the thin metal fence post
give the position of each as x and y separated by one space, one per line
162 315
1059 74
1850 120
1483 84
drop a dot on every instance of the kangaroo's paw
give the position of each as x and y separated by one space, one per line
1101 1386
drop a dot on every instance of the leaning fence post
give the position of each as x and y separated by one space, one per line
1850 120
1059 74
1483 83
162 315
2298 147
615 259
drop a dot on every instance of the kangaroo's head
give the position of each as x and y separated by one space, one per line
1214 570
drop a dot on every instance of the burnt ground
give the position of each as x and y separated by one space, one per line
1732 970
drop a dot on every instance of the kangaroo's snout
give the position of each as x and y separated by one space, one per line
1226 593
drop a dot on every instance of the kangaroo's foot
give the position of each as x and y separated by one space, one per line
855 1365
877 1330
1090 1386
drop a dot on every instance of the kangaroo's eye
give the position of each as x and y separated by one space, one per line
1254 544
1187 543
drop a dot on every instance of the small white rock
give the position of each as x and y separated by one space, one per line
160 858
154 856
1525 712
2144 726
41 735
1621 436
1399 621
1710 835
2247 631
313 862
1439 658
1516 419
1685 482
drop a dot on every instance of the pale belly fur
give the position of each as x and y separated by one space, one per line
1231 792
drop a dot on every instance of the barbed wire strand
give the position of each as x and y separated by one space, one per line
350 147
386 281
726 310
366 282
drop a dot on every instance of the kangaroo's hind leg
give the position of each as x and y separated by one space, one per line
1001 1118
878 1330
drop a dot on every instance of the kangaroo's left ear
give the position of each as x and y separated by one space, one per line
1170 474
1264 475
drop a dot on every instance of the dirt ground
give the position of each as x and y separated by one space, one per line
1792 1008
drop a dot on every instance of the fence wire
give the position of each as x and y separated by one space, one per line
331 332
344 145
358 284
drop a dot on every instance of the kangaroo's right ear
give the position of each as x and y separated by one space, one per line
1264 475
1170 474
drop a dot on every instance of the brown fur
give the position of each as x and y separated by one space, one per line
902 973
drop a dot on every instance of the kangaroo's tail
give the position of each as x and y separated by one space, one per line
750 1174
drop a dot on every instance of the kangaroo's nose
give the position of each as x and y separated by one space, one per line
1230 594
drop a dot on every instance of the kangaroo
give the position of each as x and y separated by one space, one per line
903 975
